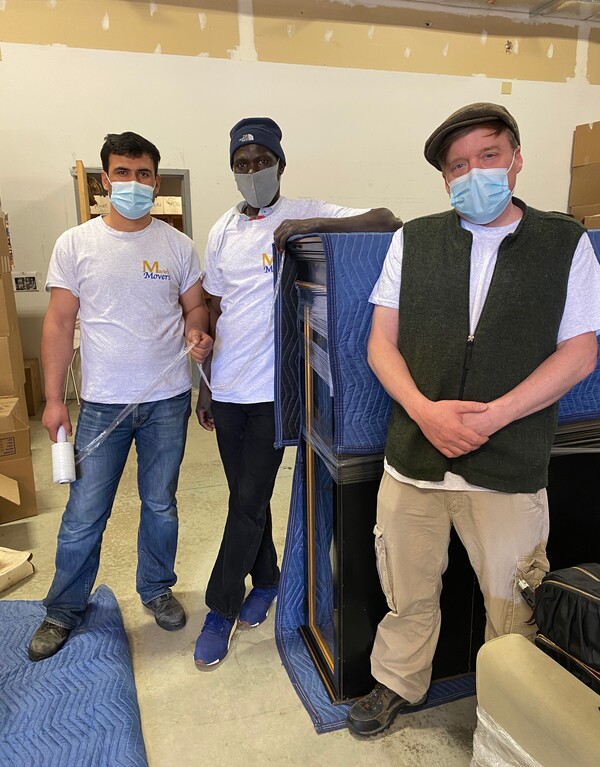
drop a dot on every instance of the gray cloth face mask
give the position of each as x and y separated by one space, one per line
258 189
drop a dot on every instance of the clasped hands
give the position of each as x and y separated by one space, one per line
457 427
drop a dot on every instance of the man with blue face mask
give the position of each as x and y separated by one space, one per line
239 278
135 282
484 317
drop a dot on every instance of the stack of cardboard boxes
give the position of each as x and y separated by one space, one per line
584 197
17 487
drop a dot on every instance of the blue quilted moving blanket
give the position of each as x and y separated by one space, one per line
353 263
76 709
582 403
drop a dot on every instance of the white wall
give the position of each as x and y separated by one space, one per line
354 137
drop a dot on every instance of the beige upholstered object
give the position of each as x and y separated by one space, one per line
550 714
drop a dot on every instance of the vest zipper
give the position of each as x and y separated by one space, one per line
466 364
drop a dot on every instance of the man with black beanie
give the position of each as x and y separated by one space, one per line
239 279
484 317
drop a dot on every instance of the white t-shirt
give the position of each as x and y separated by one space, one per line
581 313
128 285
238 267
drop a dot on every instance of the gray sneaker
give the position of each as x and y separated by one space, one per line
47 640
168 612
377 710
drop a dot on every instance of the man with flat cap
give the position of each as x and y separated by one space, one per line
239 279
484 317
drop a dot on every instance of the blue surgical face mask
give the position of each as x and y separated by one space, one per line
482 194
131 199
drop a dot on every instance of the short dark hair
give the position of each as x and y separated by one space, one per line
496 126
128 144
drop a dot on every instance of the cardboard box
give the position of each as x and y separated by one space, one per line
21 406
581 211
585 185
172 206
14 433
12 373
8 308
17 490
592 222
14 567
586 144
33 385
5 259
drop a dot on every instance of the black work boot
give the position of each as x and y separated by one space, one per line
47 640
168 612
377 710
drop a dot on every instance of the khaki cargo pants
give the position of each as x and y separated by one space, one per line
505 536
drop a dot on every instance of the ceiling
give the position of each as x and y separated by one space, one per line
577 10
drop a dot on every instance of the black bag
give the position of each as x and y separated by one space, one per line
567 612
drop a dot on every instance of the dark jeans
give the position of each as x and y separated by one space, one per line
245 435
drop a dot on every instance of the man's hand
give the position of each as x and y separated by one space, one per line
486 422
444 425
56 414
204 408
290 227
202 344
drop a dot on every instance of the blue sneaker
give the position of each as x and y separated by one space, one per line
213 643
256 606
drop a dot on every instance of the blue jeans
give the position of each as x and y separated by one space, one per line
159 430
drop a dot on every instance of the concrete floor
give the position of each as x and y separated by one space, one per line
245 712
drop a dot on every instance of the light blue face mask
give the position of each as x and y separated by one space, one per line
131 199
482 194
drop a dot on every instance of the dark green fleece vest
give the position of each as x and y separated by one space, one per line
517 331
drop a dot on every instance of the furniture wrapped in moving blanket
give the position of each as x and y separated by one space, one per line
327 397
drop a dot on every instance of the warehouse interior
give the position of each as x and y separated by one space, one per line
356 87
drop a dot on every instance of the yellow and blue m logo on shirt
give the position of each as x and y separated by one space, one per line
267 263
154 272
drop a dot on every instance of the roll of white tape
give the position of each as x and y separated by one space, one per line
63 463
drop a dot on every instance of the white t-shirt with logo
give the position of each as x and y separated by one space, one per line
581 313
128 285
238 267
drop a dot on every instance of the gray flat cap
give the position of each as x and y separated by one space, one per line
472 114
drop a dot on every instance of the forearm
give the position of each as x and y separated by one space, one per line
196 319
392 371
570 363
57 352
375 220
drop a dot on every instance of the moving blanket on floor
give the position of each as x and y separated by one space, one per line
76 709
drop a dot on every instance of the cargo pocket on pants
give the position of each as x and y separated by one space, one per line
531 569
385 577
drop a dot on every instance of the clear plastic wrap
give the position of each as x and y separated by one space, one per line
494 747
145 396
